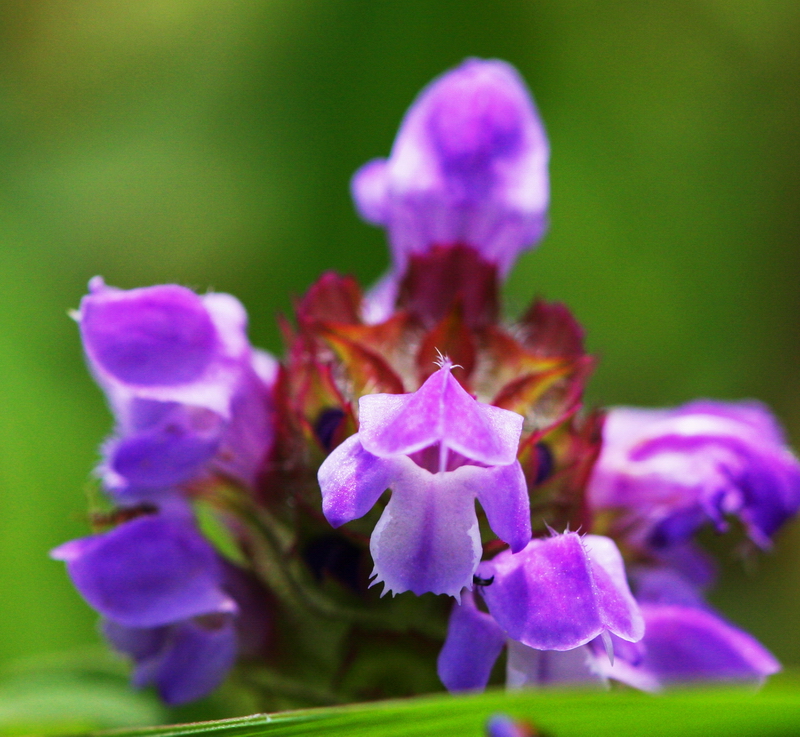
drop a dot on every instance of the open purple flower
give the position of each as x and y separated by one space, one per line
685 641
437 449
468 167
557 594
667 472
184 384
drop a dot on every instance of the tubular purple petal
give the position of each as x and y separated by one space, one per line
684 644
670 471
473 644
531 668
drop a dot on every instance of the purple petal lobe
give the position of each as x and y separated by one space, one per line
352 480
473 644
161 458
198 659
153 336
503 494
147 572
555 595
439 411
427 538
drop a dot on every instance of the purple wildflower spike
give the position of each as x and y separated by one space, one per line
562 592
468 166
183 382
667 472
151 571
438 449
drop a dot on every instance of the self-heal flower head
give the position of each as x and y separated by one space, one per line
183 382
437 449
667 472
468 167
557 594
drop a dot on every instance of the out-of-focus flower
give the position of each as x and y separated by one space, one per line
168 601
187 391
557 594
184 661
468 168
664 473
437 449
151 571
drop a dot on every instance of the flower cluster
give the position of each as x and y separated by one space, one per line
410 437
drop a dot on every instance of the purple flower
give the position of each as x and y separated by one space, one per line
187 390
168 601
556 594
468 167
437 449
185 661
685 641
151 571
667 472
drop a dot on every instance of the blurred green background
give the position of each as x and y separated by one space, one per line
211 144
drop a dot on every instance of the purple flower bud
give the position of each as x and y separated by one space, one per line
188 392
556 595
468 166
151 571
438 449
667 472
185 661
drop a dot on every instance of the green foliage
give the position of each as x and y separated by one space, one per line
695 713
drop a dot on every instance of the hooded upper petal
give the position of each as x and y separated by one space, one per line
561 592
469 166
440 411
